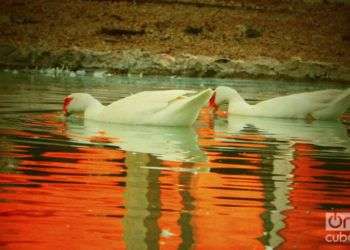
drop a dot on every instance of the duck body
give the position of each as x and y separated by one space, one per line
323 104
160 108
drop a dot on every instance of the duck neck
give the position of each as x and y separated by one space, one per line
93 109
237 104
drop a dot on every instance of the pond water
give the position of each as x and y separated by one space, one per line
236 183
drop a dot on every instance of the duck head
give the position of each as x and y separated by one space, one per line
77 103
222 95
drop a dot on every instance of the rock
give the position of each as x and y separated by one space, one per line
141 62
340 73
219 67
190 65
164 60
257 69
137 61
296 68
96 59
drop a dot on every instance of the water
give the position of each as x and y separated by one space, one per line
241 183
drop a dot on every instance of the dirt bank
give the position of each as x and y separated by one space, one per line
274 40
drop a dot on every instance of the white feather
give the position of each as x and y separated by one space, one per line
163 108
323 104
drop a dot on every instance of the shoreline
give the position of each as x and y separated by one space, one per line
301 40
142 62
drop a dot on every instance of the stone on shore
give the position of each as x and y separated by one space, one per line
143 62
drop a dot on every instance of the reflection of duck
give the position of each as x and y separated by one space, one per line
323 104
160 108
282 158
322 133
167 143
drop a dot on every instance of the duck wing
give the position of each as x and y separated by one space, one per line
336 107
148 102
298 105
322 96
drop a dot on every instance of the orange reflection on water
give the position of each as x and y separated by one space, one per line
173 206
75 205
305 223
230 211
222 203
92 195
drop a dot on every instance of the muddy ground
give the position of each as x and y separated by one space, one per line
282 30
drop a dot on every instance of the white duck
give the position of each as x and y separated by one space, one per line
161 108
323 104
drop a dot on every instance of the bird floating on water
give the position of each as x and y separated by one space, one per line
327 104
160 108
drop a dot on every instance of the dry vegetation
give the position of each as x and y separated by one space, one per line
237 29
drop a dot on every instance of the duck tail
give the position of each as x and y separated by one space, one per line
199 100
187 111
343 101
338 106
194 104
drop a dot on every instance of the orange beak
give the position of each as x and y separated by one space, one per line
212 103
66 102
